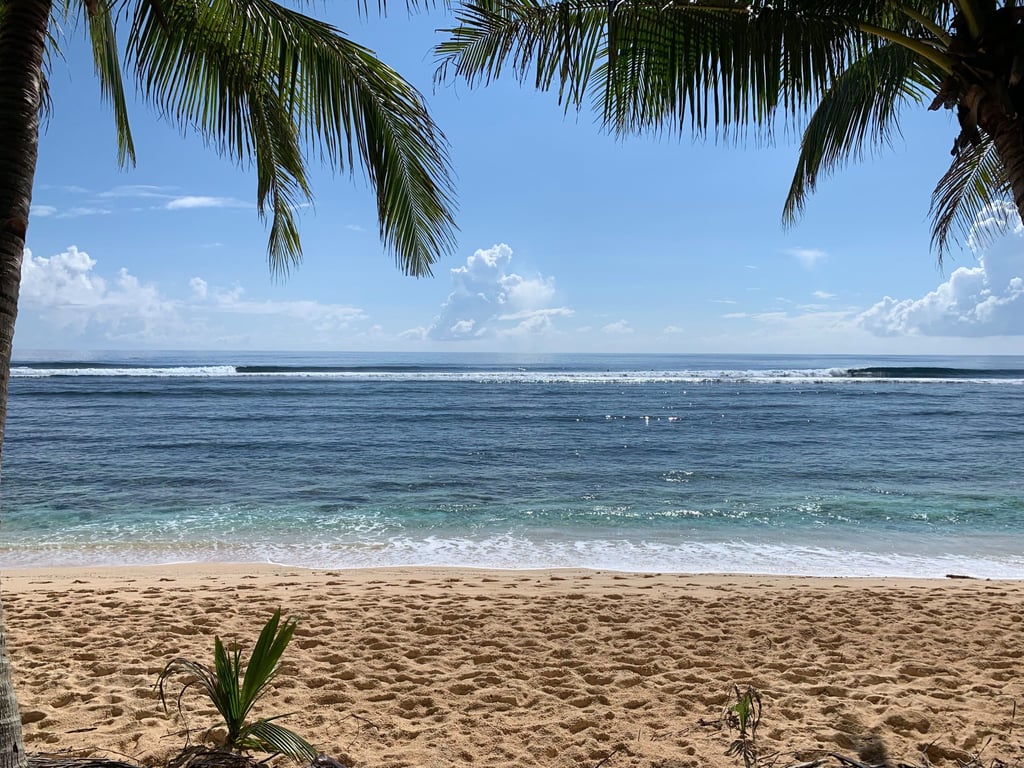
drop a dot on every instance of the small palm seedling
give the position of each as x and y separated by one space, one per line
234 692
745 715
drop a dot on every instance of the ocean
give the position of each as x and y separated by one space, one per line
856 466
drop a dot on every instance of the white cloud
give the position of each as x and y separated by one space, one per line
809 257
64 279
773 317
324 319
172 199
81 210
986 300
618 327
136 190
489 300
75 297
414 334
723 301
187 202
68 292
533 321
199 287
463 329
134 197
823 295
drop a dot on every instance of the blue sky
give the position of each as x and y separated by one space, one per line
569 240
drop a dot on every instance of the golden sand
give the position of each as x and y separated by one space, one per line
442 667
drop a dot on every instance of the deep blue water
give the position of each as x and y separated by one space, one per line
821 465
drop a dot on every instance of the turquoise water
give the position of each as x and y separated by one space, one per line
823 465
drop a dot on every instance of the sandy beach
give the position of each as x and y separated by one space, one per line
439 667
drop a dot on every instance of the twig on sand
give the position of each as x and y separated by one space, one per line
54 761
610 755
367 723
851 763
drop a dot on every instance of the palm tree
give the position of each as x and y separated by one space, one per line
840 70
262 84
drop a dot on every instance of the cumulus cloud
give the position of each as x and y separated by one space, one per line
809 257
64 279
415 334
490 300
199 287
75 297
985 300
67 291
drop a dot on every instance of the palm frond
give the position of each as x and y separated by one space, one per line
233 692
363 6
860 111
272 737
98 16
975 180
699 65
548 42
202 676
266 656
260 80
226 696
716 67
280 173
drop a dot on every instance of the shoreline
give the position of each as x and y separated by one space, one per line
739 559
395 667
203 569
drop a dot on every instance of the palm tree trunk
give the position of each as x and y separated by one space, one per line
12 752
22 40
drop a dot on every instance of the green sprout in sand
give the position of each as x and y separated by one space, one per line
745 716
234 692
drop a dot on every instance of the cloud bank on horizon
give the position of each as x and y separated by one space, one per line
68 295
986 300
493 305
